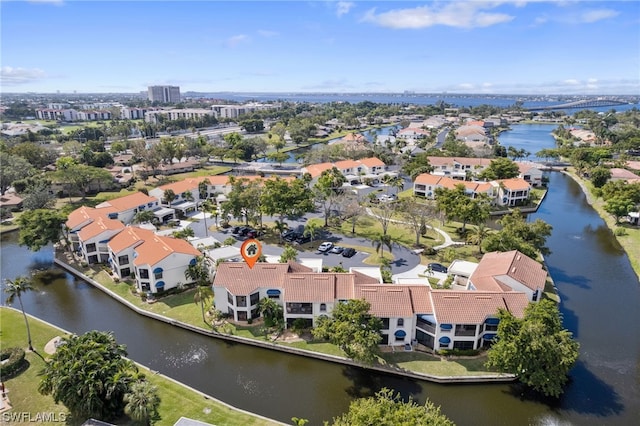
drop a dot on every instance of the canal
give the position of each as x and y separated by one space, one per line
600 298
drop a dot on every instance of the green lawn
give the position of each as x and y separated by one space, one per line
429 364
177 401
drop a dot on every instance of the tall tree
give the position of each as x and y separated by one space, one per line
39 228
142 402
352 328
284 198
536 348
289 253
90 375
416 215
327 189
380 242
478 234
500 168
14 290
12 168
311 230
387 408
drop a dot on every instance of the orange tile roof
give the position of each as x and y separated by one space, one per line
372 162
421 299
190 184
346 164
514 264
99 226
129 237
86 214
239 279
128 202
152 251
387 301
309 287
473 307
466 161
316 170
428 179
515 184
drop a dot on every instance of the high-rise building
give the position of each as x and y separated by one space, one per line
164 94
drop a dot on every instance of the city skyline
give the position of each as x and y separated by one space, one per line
500 47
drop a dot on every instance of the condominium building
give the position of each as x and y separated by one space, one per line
164 94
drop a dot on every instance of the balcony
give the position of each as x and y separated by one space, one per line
300 308
429 328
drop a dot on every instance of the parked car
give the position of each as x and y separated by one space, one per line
236 229
244 230
349 252
302 239
253 233
324 247
437 267
336 250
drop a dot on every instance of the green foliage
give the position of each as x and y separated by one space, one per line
142 402
286 198
289 253
599 176
39 228
272 312
89 375
12 168
388 409
252 125
353 329
500 168
516 234
536 348
12 361
457 205
618 207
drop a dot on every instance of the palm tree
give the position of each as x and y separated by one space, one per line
198 273
478 234
311 229
380 242
143 216
169 195
280 226
142 402
15 289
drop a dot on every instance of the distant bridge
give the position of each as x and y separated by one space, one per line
585 103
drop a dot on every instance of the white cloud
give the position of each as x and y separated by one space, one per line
591 16
236 40
267 33
11 76
465 86
452 14
571 82
343 7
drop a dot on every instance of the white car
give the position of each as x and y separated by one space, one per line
326 246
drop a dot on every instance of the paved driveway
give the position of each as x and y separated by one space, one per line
404 258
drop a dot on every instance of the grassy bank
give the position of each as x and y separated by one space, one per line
627 235
177 400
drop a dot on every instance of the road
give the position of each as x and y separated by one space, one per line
441 138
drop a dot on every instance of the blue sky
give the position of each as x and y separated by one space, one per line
502 47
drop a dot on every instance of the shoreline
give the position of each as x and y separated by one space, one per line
156 373
488 378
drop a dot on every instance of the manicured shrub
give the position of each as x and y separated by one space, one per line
12 361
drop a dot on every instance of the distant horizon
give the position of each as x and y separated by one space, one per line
300 92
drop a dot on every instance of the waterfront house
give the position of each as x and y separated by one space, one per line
92 239
509 271
125 208
354 171
512 192
462 168
157 263
530 172
410 313
425 186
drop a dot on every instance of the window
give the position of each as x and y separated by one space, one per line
400 322
323 307
466 330
91 247
255 298
144 273
145 286
157 275
241 301
125 272
230 299
123 260
385 323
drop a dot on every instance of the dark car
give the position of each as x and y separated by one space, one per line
348 252
302 239
235 230
243 231
253 233
436 267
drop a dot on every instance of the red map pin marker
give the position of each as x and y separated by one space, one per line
251 251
